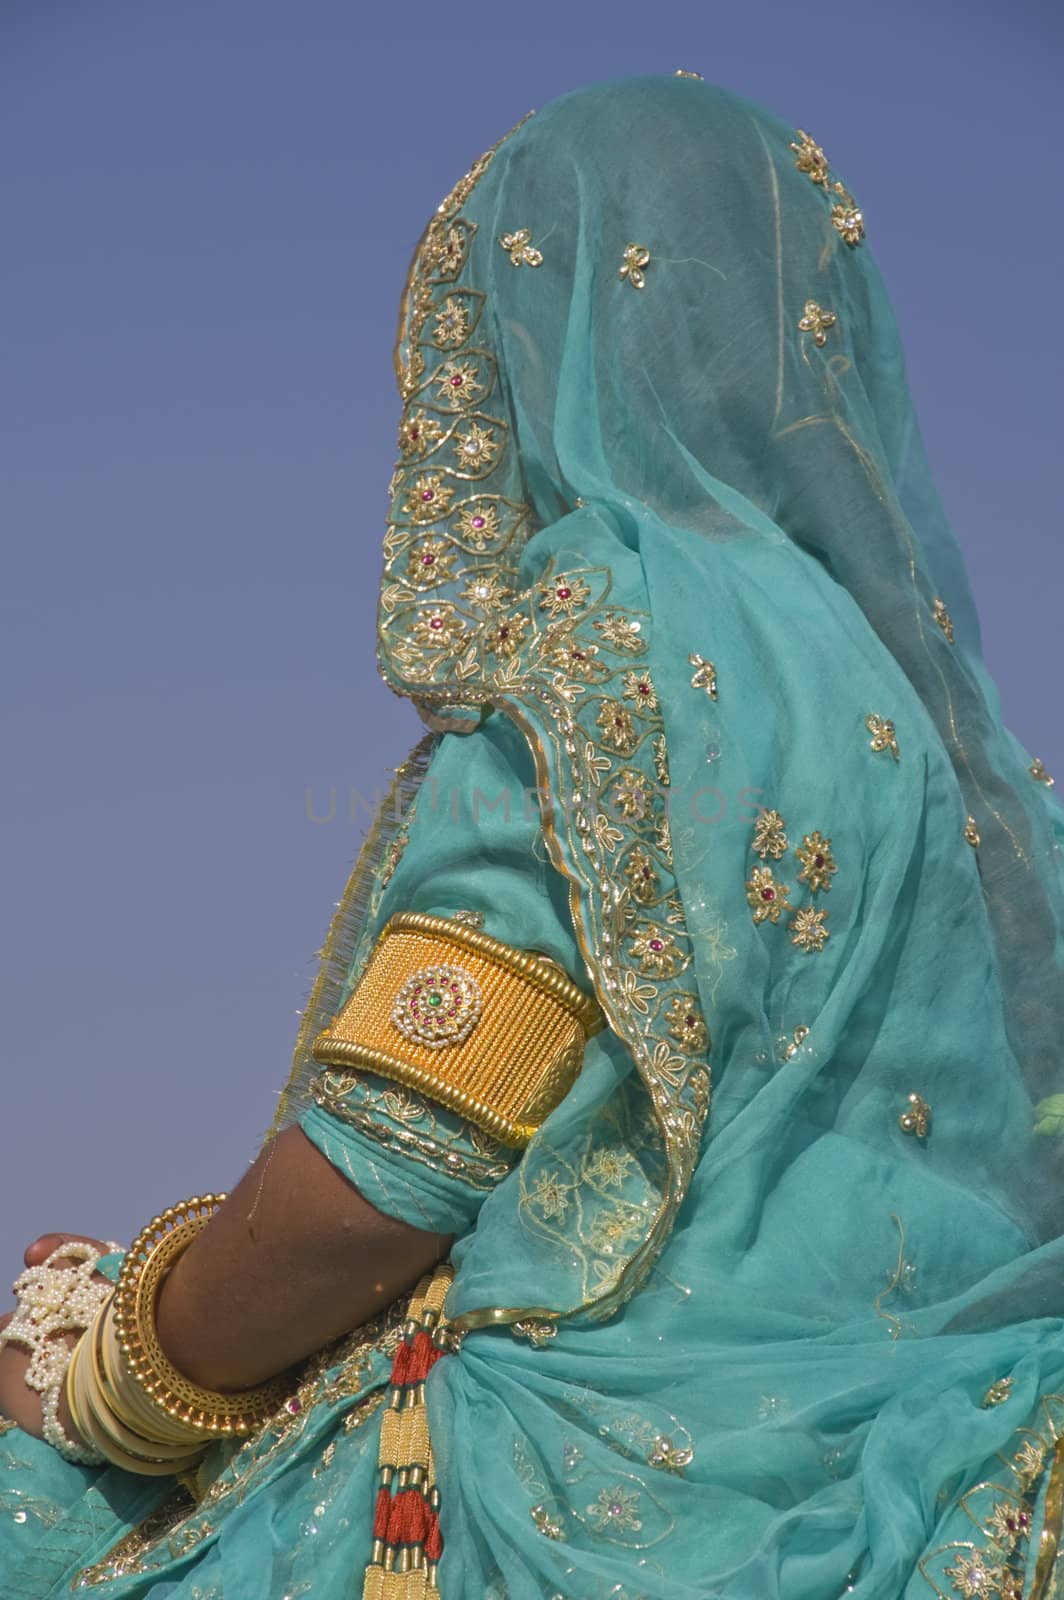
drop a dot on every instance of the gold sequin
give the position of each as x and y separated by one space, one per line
999 1391
704 676
817 321
634 262
770 837
971 832
789 1046
942 617
1039 773
807 929
682 73
766 897
545 1523
883 734
519 247
818 863
917 1118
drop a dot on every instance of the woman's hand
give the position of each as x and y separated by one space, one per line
18 1402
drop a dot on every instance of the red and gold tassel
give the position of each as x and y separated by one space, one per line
407 1543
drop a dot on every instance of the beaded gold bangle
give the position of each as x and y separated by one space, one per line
177 1405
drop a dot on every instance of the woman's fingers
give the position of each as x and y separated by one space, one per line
38 1252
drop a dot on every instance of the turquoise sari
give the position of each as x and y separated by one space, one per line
667 577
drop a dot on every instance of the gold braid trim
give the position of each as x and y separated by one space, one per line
492 1033
407 1543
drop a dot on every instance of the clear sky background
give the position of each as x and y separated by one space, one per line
208 209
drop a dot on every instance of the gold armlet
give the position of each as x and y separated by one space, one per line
492 1033
164 1403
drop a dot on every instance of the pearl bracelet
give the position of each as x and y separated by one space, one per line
54 1300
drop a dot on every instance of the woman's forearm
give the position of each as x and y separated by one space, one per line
293 1259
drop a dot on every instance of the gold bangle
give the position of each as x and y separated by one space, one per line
172 1397
87 1409
492 1033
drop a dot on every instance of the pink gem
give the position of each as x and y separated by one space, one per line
657 944
478 522
768 894
426 561
294 1406
690 1020
427 494
818 861
644 688
457 381
563 593
436 622
579 655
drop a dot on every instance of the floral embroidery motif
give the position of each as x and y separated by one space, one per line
478 524
505 637
999 1391
520 249
817 321
429 562
971 832
615 1508
686 1024
942 617
767 897
1039 773
634 262
848 220
974 1577
614 722
639 687
476 448
452 324
609 1167
642 879
917 1119
770 837
656 951
459 384
705 675
620 632
428 498
550 1194
563 597
486 594
845 215
418 434
437 626
883 734
577 659
818 863
807 929
670 1457
438 1007
810 158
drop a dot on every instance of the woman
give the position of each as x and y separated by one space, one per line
717 780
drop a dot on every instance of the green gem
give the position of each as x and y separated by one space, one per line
435 998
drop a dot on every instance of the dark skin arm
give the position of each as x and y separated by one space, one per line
294 1259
